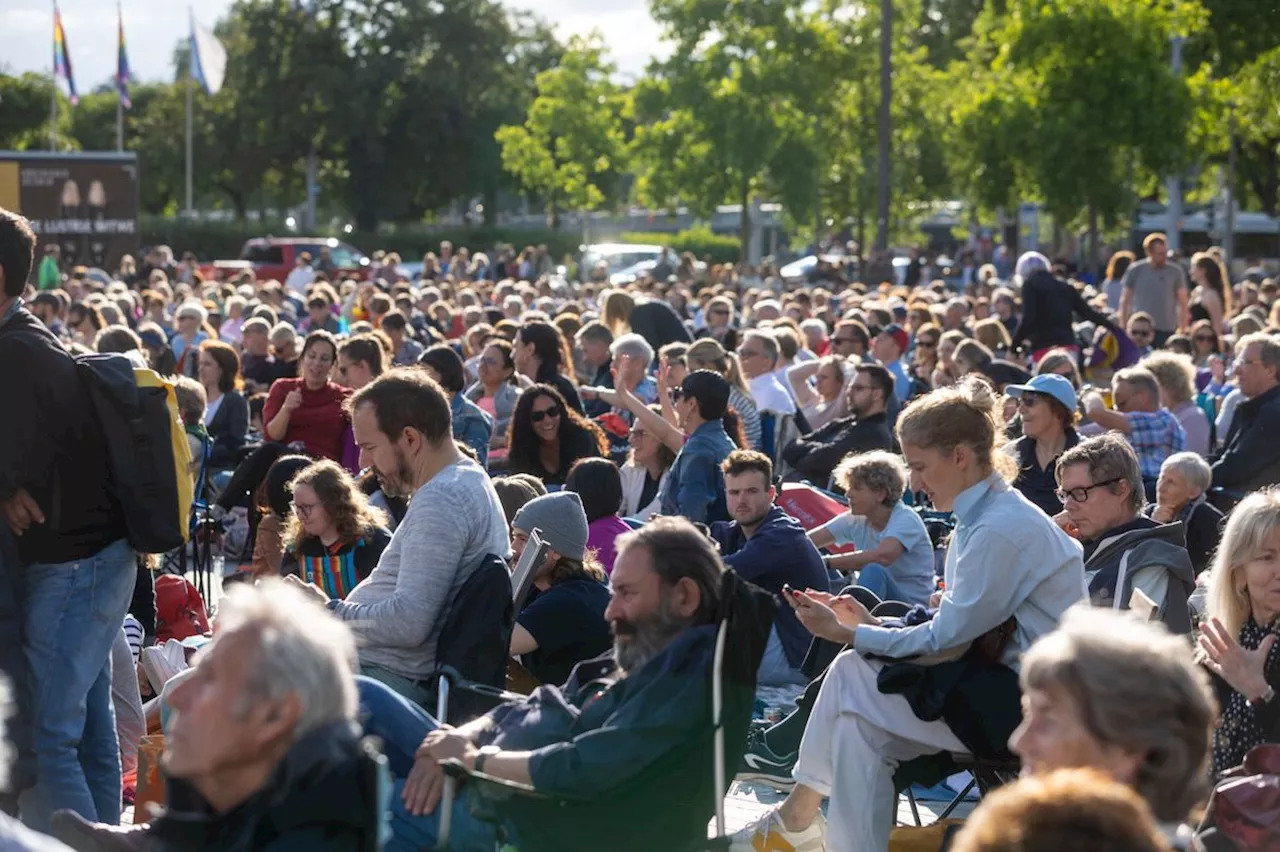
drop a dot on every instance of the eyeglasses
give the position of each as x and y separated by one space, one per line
489 362
304 510
1081 494
1028 399
1138 332
539 416
926 344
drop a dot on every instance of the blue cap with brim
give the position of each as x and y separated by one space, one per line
1049 384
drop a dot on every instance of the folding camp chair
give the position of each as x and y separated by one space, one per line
745 611
196 555
449 678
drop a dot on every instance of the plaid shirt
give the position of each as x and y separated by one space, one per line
1154 436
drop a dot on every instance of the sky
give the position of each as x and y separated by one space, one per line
152 27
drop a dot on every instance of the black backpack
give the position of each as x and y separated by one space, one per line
138 424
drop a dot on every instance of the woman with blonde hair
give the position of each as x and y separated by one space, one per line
333 537
857 733
615 311
1238 640
825 401
992 334
708 354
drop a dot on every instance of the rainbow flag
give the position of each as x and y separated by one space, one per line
61 58
122 66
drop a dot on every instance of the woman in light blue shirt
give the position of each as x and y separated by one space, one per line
1006 558
894 557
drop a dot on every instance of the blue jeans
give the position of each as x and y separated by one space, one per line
402 726
775 669
876 578
73 613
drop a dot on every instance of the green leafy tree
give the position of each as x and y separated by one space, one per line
571 146
24 113
1039 111
730 114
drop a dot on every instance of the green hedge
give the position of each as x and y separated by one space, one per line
699 240
223 240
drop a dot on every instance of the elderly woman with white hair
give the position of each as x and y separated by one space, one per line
1238 640
191 319
1049 305
1181 496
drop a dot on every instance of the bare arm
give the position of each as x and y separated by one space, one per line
885 553
1108 419
522 641
1184 309
798 378
279 425
821 537
1126 306
655 423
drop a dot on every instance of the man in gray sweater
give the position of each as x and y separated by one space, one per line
402 426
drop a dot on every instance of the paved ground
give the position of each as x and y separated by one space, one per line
747 800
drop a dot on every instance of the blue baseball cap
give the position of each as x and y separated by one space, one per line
1049 384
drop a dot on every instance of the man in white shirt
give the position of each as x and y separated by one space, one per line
758 354
301 276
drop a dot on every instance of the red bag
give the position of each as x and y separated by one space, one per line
180 611
1245 806
812 508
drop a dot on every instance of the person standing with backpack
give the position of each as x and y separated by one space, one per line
73 553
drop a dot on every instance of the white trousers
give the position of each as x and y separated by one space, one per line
855 739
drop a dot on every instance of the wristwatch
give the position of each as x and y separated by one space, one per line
484 754
1263 699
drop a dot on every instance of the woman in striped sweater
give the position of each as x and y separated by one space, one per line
334 538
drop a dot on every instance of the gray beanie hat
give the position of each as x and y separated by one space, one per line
561 519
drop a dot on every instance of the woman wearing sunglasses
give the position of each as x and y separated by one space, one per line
333 538
1047 405
547 436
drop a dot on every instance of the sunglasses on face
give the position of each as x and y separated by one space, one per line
927 344
1137 332
1205 338
539 416
1028 399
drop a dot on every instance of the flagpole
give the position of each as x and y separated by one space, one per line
191 84
53 90
119 83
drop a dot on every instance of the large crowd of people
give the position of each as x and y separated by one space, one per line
1055 542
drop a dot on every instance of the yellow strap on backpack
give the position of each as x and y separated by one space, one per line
147 378
936 837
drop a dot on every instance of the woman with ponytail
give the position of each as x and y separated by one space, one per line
1010 575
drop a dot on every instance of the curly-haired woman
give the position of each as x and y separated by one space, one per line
334 537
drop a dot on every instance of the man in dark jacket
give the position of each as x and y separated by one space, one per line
816 455
768 547
263 752
77 567
1100 483
1250 457
617 742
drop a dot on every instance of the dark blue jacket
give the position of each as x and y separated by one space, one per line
779 552
695 486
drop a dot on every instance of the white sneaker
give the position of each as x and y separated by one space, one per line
162 662
768 834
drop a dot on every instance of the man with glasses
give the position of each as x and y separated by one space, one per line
1250 457
850 340
1142 331
1100 486
816 455
759 357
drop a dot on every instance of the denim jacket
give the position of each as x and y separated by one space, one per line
504 405
695 487
472 426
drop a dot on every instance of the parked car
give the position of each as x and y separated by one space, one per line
274 257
